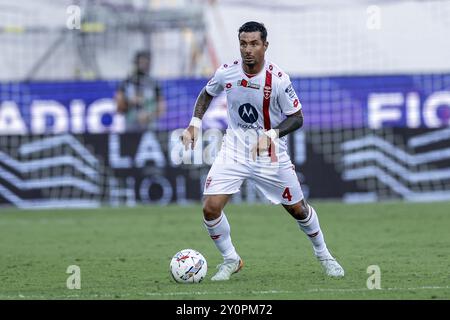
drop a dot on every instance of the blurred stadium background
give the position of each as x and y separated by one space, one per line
373 78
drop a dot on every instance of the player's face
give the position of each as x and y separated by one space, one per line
252 48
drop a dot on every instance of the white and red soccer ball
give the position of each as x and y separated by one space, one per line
188 266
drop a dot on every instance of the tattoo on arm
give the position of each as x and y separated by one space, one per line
202 103
290 124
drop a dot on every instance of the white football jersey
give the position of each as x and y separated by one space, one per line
256 103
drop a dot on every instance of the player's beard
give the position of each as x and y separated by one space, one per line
250 63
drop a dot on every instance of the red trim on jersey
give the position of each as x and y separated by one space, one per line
266 113
266 101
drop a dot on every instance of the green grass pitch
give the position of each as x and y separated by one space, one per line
124 253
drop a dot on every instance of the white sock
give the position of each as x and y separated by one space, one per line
219 230
310 225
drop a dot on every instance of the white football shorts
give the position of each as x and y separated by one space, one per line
276 180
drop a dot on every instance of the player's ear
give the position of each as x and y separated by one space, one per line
266 45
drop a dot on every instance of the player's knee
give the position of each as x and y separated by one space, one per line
211 210
303 210
298 211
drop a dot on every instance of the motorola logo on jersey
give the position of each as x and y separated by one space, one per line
248 113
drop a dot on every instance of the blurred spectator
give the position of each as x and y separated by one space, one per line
139 96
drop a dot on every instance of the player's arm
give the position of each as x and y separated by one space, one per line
214 87
290 124
202 103
290 106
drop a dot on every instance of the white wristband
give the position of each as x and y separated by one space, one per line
272 134
196 122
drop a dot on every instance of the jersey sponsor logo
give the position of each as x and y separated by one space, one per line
248 84
290 91
250 126
248 113
267 92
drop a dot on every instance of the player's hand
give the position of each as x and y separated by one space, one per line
261 146
189 136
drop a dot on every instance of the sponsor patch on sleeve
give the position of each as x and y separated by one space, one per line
290 91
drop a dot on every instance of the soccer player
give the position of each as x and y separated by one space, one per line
262 109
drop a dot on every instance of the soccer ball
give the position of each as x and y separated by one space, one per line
188 266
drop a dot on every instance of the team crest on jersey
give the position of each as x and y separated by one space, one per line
248 84
267 92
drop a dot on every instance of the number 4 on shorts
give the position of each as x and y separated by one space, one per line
287 194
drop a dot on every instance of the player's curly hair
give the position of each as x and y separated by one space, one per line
253 26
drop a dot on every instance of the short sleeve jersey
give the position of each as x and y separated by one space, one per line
255 103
